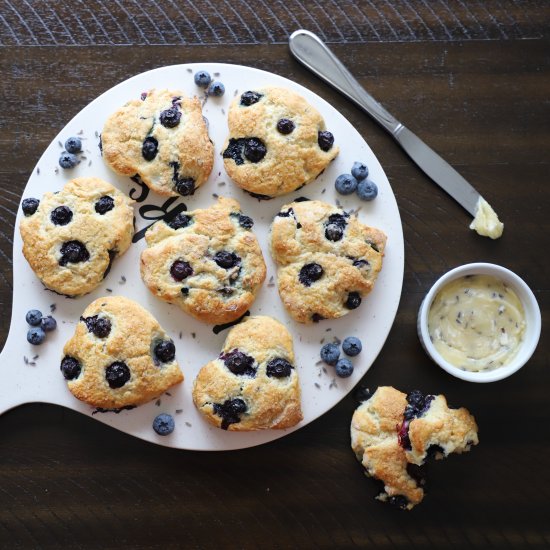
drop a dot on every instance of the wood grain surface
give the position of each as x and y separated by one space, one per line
67 481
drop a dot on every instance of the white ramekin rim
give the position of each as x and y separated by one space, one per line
532 321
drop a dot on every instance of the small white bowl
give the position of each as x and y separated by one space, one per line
532 321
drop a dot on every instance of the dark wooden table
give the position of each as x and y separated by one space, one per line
473 80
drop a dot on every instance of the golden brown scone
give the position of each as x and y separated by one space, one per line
208 262
374 441
392 431
449 430
277 142
327 260
119 356
163 138
71 237
253 384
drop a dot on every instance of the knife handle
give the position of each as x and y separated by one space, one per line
314 54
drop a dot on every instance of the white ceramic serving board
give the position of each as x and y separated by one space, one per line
31 373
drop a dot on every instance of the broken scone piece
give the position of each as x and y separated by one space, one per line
392 433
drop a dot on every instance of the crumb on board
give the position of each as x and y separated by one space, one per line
179 411
193 335
181 334
122 280
188 424
109 289
317 385
157 402
53 307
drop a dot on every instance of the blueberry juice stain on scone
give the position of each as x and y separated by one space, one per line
327 261
208 262
119 356
163 139
253 384
70 238
277 142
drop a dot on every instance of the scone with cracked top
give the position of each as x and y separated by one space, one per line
327 260
119 356
71 237
253 384
208 262
393 433
277 142
163 138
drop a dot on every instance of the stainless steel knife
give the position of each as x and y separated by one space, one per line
311 51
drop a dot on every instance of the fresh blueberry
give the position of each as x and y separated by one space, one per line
225 259
165 351
150 148
48 324
67 160
117 374
164 424
202 79
104 205
73 145
344 368
353 301
29 206
35 336
330 353
98 326
239 363
73 252
254 149
310 273
246 222
216 89
170 118
285 126
181 270
352 346
62 215
325 140
359 171
367 190
278 368
34 317
70 367
180 221
249 98
345 184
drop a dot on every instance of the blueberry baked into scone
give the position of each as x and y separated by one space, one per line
71 237
208 262
277 142
163 138
119 356
253 384
327 260
393 433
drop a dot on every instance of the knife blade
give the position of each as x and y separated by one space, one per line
312 52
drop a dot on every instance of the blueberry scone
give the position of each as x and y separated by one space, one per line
208 262
277 142
71 237
393 433
327 260
253 384
119 356
163 138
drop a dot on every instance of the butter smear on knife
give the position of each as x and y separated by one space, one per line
486 221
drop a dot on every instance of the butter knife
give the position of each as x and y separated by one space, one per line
311 51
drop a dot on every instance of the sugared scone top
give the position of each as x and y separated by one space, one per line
71 237
207 261
253 384
392 431
277 142
119 356
327 260
163 138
